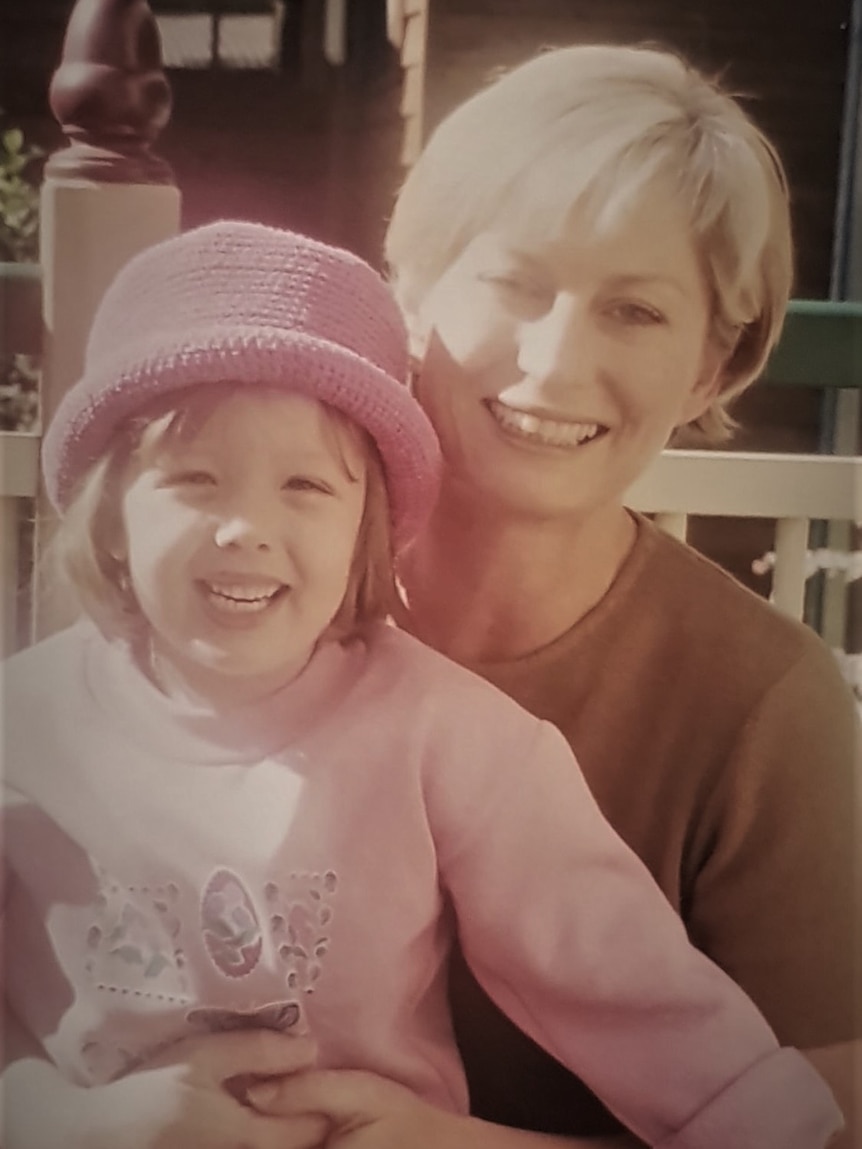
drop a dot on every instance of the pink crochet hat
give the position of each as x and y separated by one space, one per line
240 302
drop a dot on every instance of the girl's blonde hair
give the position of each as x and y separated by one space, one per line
88 547
597 127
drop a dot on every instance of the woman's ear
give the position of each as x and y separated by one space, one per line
417 333
414 370
114 541
112 536
417 336
417 346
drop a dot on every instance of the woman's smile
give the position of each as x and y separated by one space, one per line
542 430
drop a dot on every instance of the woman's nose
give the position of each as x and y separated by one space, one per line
554 346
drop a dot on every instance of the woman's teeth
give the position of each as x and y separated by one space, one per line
552 432
241 598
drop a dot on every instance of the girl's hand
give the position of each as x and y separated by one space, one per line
370 1112
191 1096
364 1111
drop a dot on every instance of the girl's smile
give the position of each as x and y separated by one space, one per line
238 594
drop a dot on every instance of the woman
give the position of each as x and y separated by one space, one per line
592 253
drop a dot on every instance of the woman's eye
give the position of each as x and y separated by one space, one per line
638 314
515 283
523 296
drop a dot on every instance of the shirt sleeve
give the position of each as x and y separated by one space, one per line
777 892
568 933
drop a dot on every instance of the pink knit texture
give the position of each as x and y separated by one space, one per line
240 302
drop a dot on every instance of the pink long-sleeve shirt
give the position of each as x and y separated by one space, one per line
301 863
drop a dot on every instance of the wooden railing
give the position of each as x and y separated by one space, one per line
794 490
19 470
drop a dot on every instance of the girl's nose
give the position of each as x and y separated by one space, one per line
237 531
554 347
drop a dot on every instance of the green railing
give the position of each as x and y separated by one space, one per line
821 346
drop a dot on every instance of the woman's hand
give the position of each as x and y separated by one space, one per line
192 1095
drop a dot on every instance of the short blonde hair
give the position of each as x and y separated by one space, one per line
87 550
596 126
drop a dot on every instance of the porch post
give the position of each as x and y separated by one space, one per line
105 196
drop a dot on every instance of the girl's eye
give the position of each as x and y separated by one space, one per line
638 314
304 483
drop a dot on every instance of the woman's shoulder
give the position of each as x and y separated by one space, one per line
725 654
678 644
696 605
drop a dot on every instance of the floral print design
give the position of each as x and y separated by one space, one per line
133 946
300 913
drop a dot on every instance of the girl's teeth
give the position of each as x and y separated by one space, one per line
553 432
241 598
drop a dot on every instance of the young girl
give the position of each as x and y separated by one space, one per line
236 798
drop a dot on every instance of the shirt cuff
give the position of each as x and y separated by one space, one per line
781 1102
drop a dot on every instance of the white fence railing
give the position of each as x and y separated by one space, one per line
790 489
19 470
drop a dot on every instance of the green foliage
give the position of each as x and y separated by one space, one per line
19 393
19 198
19 243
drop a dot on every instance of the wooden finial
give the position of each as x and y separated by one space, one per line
110 94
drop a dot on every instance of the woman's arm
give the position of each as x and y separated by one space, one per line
790 818
369 1112
776 900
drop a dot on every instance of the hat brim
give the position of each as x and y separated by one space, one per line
90 414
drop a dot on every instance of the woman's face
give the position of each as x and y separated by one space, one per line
554 372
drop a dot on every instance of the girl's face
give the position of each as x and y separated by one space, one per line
555 371
239 543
